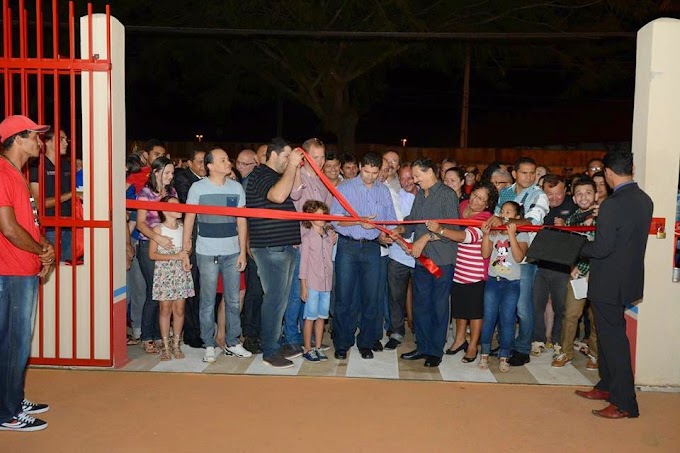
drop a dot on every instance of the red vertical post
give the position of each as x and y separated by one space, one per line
74 144
110 154
91 107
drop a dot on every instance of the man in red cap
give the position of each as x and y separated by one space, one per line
26 256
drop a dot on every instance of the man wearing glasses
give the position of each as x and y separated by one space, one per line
501 179
246 161
594 165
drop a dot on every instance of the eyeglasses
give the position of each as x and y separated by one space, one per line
595 169
244 164
498 183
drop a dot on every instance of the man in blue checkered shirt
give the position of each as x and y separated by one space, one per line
535 206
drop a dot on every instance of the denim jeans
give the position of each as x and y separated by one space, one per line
292 318
65 243
18 301
136 294
525 309
251 316
150 327
431 309
383 291
275 266
397 279
551 284
357 268
500 304
231 278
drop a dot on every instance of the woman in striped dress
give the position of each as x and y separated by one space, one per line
470 274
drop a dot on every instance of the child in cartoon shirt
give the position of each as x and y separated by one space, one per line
506 250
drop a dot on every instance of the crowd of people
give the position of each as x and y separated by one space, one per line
366 275
270 285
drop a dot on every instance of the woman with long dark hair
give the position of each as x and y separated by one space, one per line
158 186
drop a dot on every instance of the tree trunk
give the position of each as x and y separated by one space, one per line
344 128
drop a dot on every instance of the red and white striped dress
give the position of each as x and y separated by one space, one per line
470 266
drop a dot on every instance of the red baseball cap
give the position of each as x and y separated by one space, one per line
18 123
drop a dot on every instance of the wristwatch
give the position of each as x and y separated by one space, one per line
441 233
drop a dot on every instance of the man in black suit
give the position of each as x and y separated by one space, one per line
184 178
616 280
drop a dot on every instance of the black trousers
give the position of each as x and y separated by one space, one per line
251 320
616 372
192 326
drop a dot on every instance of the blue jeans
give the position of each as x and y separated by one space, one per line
150 327
357 269
525 309
208 269
431 309
275 266
65 243
292 318
500 304
317 305
18 301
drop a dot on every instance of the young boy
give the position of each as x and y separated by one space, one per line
584 196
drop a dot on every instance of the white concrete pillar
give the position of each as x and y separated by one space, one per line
656 145
98 185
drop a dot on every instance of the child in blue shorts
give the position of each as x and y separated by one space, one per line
316 278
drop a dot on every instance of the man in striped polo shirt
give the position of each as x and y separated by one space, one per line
272 241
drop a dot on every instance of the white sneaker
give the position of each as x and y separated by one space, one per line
537 347
238 350
209 355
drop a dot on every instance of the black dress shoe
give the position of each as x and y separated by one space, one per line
366 353
377 346
462 347
413 355
519 359
432 361
340 354
392 343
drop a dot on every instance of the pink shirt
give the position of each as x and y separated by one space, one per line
316 265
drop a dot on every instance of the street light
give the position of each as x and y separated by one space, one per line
199 137
403 142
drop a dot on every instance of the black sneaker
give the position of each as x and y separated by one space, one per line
23 422
377 346
278 361
519 359
252 344
392 343
291 351
30 408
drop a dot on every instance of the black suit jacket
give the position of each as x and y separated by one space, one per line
617 269
184 178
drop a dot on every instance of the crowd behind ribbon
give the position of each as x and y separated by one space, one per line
263 285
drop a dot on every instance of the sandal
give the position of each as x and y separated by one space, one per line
165 352
176 350
504 367
150 347
132 341
484 362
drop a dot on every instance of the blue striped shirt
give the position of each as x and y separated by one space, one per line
533 199
366 202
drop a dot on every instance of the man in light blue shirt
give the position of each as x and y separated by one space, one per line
357 263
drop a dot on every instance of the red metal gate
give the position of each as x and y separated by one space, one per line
42 77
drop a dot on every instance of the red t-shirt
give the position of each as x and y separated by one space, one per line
14 194
139 179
